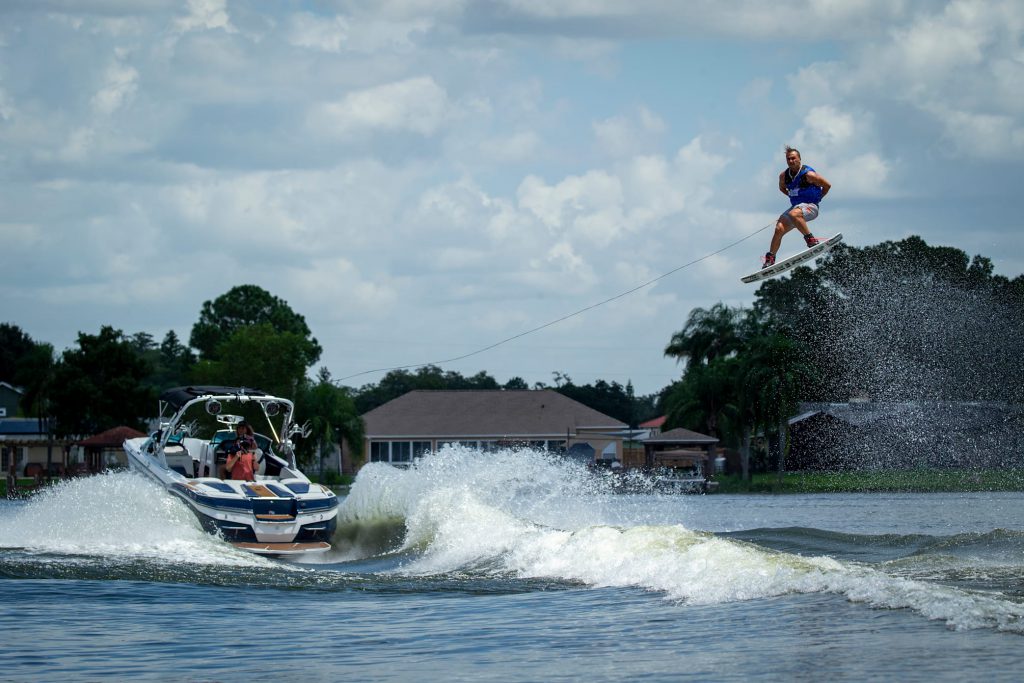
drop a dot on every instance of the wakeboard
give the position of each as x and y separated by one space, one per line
804 256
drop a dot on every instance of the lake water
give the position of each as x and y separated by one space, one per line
516 567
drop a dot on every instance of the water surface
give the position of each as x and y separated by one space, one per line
515 567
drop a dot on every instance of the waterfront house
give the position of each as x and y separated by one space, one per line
423 421
26 448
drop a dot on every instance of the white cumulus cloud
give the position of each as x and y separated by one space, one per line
417 105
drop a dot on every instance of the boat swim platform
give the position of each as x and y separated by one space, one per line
282 548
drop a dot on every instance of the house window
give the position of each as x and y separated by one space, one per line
397 452
401 451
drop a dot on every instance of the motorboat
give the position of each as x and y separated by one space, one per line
279 512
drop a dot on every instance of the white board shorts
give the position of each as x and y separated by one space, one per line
810 212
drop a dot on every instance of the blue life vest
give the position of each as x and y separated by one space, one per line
800 190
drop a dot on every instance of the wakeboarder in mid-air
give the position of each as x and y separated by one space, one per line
805 188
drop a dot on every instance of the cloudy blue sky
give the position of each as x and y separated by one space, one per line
423 178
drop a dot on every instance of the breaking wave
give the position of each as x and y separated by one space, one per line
527 515
517 520
114 515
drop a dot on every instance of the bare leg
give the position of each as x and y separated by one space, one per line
794 218
781 228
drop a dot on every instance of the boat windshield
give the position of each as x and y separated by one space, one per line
224 435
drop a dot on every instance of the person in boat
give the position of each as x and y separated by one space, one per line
244 441
805 188
241 462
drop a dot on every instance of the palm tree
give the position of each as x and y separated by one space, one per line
705 398
742 418
710 393
708 334
332 418
741 376
773 378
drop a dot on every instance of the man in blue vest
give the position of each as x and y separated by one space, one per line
805 189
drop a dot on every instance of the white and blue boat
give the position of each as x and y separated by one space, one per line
280 512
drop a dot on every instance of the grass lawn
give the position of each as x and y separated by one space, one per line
926 480
25 486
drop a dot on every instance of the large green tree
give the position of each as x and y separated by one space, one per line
174 362
15 343
257 356
246 306
27 364
705 399
170 362
773 379
743 374
35 375
902 320
708 345
99 384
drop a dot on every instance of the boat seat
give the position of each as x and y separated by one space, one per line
180 460
271 465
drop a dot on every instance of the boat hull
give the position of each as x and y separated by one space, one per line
264 517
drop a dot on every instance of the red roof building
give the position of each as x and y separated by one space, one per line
106 450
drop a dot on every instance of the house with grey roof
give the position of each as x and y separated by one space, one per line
422 421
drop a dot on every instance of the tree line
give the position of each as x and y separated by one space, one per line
245 337
895 321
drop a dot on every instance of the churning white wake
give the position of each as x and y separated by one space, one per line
118 515
529 515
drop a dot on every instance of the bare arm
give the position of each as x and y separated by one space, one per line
815 179
782 183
